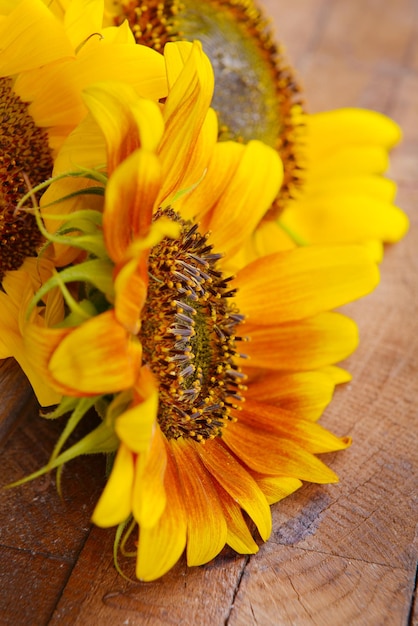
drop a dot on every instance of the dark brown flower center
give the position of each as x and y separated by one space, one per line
256 94
189 337
25 160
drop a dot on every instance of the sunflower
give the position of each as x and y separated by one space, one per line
333 190
209 384
48 56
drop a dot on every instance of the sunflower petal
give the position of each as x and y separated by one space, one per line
330 129
247 195
304 393
311 343
115 503
188 99
94 358
31 36
161 546
127 121
136 426
149 495
238 483
282 424
130 196
269 455
302 282
343 218
206 525
275 488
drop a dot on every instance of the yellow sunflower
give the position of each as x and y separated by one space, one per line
47 57
333 190
209 384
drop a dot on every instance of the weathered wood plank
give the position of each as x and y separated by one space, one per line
295 587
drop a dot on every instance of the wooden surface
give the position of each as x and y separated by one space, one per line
339 555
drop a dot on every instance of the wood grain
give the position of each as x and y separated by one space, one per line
340 554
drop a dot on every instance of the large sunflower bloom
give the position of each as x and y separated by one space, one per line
162 350
333 190
47 57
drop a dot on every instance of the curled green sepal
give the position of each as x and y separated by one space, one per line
97 272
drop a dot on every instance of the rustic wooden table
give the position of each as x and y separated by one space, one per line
339 555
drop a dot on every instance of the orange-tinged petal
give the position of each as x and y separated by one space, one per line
31 36
131 284
115 503
304 393
95 358
136 426
206 525
281 424
275 488
306 344
129 201
302 282
185 111
127 121
161 546
40 344
238 536
270 455
237 482
149 495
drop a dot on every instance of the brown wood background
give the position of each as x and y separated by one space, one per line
339 555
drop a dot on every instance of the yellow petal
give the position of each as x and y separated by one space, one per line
276 488
267 454
95 358
373 186
185 111
250 190
162 545
307 344
330 129
284 425
304 393
130 195
206 525
31 36
348 161
115 503
344 218
302 282
131 284
238 483
136 426
127 121
238 536
149 495
82 19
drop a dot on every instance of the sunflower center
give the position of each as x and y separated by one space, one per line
25 159
189 337
256 94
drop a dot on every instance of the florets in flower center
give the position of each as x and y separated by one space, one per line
189 337
25 159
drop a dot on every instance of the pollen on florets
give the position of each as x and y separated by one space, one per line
24 158
189 337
